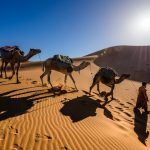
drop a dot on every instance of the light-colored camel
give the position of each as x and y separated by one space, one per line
17 57
51 64
107 76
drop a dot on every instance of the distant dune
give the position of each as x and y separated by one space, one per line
126 59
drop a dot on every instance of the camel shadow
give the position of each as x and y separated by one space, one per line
12 107
83 107
140 125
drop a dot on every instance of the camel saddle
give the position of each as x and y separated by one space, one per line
107 74
8 51
9 48
63 61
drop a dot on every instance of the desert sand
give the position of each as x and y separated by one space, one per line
31 118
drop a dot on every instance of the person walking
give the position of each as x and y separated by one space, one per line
142 98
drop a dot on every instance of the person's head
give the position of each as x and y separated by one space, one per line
144 84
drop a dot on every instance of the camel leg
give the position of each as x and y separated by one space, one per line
48 79
91 87
2 69
17 78
70 75
6 63
95 81
65 81
13 71
44 74
110 93
98 88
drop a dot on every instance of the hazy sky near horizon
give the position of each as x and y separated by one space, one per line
73 27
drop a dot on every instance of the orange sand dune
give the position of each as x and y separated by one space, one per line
31 118
127 59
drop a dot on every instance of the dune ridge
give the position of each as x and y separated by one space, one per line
126 59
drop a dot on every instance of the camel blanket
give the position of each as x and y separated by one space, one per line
63 59
63 62
107 74
8 48
6 52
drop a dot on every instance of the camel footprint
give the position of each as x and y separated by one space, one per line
39 137
17 147
129 103
127 114
119 108
12 130
2 136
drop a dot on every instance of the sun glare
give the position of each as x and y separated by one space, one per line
140 24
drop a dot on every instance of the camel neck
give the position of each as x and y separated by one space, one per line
119 80
26 57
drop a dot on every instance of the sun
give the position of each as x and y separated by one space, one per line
143 23
140 24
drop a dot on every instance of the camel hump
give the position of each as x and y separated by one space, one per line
10 48
107 74
108 71
63 59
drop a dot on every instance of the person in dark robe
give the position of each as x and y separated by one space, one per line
142 98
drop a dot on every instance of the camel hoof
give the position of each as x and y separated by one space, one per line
102 94
9 78
106 99
18 82
76 90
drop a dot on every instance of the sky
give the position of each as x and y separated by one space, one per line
73 27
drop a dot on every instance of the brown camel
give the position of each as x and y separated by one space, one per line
51 64
17 57
107 77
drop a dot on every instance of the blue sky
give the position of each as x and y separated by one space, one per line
73 27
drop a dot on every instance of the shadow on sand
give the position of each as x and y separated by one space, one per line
83 107
140 125
11 107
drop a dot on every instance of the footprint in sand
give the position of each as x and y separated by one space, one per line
64 148
129 103
2 134
12 130
119 108
121 104
116 119
2 137
39 137
17 147
117 112
110 106
126 107
117 100
127 114
34 82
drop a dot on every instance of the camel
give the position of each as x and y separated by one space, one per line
107 76
16 57
51 64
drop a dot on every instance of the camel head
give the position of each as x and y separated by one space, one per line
34 51
122 77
